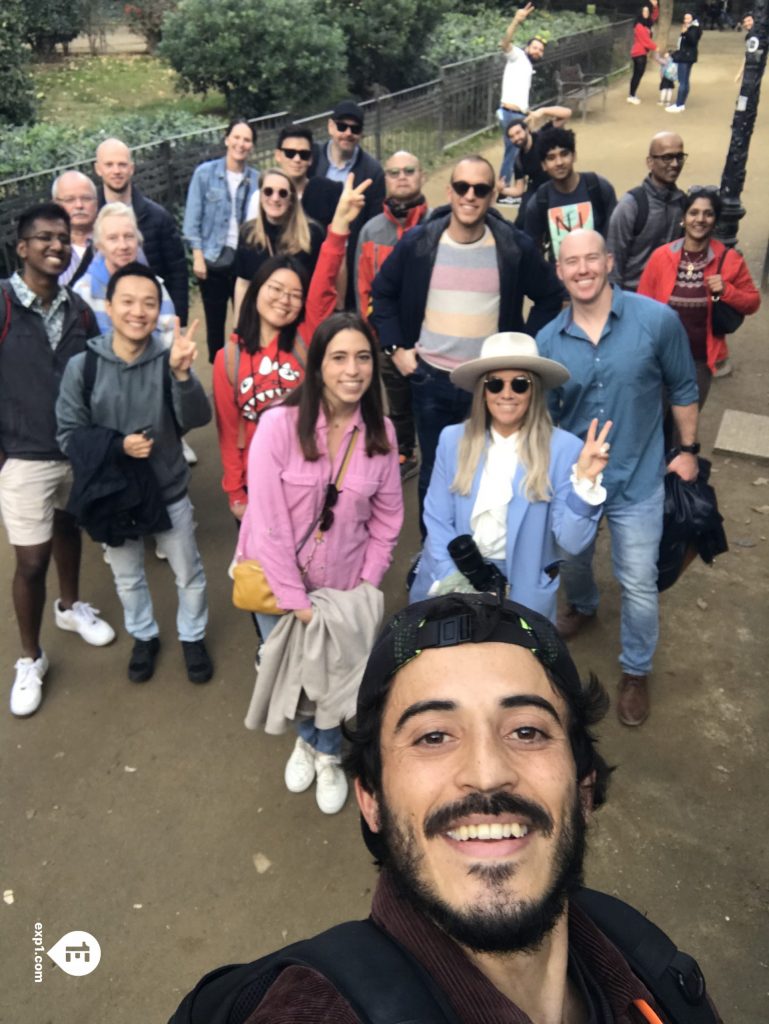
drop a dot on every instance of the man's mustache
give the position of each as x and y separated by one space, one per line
491 805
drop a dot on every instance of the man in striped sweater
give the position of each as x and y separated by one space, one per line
448 284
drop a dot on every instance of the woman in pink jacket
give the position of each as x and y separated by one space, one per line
345 536
643 44
693 273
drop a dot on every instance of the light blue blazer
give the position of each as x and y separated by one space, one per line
534 529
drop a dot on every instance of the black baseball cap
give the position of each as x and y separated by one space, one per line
348 109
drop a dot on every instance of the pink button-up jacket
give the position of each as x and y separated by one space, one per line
286 493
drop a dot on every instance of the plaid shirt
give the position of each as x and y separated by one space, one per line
53 317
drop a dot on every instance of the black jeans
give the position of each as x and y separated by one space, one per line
639 67
399 399
216 291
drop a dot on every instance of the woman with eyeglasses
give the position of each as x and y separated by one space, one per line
265 357
693 274
519 486
326 511
280 228
217 200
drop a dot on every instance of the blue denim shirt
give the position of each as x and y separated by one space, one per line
207 213
642 350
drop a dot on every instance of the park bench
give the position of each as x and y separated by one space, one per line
575 89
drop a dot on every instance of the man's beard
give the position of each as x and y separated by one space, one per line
504 924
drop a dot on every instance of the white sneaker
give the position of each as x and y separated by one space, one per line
83 619
189 455
300 767
331 788
673 109
27 690
633 99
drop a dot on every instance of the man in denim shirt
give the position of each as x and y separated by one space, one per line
622 351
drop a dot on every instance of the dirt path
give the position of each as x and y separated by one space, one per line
135 813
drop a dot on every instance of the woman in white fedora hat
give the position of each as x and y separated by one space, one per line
520 486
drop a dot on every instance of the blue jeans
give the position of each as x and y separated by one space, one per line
505 119
684 74
178 545
437 404
325 741
635 531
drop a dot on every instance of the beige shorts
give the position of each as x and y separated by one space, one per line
29 492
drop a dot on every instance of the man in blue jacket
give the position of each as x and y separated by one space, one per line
458 278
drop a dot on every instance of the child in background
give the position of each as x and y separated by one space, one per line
669 78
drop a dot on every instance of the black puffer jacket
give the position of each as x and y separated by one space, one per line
688 42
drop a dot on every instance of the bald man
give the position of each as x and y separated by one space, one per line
76 193
163 247
623 352
649 215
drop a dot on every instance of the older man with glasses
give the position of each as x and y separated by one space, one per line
449 284
76 193
650 214
341 155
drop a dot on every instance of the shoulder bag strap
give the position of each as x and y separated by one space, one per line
337 483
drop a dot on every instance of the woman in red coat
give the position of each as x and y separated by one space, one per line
693 273
643 44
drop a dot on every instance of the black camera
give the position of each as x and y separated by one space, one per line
482 573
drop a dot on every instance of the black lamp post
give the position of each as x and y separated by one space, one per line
733 177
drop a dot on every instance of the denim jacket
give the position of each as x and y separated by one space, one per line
207 213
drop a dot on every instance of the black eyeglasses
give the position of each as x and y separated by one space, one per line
345 126
289 153
670 158
480 190
518 385
326 520
46 237
270 191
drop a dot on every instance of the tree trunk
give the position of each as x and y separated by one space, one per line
662 29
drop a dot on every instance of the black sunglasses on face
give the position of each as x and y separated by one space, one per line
289 153
344 126
518 385
270 191
327 513
480 190
670 158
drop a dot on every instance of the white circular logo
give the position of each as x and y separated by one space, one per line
77 953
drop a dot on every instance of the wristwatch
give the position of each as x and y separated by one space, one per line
690 449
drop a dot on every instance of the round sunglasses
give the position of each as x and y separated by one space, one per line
269 191
518 385
480 189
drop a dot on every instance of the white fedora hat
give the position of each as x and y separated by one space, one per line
510 351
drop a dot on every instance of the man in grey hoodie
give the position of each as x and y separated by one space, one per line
649 215
150 396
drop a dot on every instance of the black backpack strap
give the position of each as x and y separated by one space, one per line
593 186
673 978
380 980
6 314
90 364
642 208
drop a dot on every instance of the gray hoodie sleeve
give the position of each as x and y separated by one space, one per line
191 405
620 235
71 412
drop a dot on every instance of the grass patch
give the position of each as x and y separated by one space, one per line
83 90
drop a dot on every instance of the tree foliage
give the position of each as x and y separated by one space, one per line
49 22
263 55
145 18
385 41
17 96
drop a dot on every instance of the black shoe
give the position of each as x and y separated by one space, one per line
200 668
141 667
409 467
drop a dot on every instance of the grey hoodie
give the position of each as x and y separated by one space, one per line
128 397
631 252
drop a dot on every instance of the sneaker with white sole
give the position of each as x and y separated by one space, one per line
674 109
83 619
633 99
300 767
189 455
331 787
27 689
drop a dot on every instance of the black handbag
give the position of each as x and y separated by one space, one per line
724 319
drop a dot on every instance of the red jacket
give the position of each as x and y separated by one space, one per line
659 278
377 239
642 37
266 376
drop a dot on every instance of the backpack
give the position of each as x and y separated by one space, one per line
362 962
594 195
84 315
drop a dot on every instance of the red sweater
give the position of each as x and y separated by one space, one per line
268 375
642 37
659 278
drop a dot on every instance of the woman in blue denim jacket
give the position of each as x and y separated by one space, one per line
217 201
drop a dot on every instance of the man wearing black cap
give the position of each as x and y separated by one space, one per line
341 154
475 770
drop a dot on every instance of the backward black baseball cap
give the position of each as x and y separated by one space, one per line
465 619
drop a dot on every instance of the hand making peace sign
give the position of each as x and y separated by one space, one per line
595 452
351 202
184 351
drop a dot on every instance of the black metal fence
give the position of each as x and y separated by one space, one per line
427 119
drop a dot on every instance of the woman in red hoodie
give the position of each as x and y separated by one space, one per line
693 273
265 357
643 44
